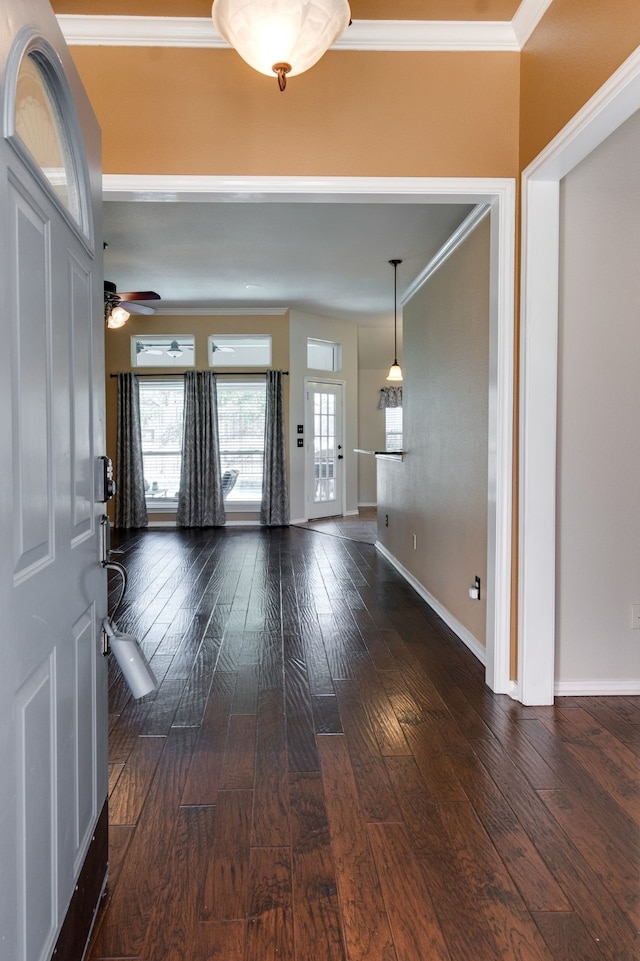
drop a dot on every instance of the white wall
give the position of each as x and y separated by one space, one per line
598 487
303 325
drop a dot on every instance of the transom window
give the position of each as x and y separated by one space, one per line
323 355
163 350
240 350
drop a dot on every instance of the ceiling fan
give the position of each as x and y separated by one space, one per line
223 350
115 314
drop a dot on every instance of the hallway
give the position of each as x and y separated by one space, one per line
323 775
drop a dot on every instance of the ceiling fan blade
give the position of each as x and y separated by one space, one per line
139 295
134 308
223 350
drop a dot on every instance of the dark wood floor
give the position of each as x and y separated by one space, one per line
323 776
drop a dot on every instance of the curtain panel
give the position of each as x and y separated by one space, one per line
200 502
131 507
274 510
390 397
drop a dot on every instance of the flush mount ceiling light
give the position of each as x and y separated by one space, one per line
285 37
395 371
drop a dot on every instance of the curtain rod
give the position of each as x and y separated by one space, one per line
218 373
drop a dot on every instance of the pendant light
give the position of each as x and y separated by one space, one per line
285 37
395 371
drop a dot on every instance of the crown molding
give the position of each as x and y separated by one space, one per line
362 35
527 17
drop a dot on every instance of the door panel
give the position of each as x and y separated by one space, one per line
53 718
325 454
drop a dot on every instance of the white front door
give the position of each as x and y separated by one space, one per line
52 587
325 450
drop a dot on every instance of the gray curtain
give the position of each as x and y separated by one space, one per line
200 502
131 508
274 510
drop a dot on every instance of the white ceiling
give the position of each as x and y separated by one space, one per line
323 257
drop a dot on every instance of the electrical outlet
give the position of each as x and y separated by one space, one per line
386 520
635 617
300 441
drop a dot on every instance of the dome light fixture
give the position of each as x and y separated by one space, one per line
395 371
285 37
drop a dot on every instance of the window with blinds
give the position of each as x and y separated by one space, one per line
241 423
161 407
393 428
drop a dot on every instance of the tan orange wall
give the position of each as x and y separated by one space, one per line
575 49
360 9
176 111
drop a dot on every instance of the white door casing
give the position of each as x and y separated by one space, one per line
611 106
325 454
52 587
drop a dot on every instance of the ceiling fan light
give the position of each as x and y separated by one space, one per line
174 349
118 317
395 371
282 36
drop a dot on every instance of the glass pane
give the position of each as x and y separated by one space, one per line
161 407
241 423
39 125
323 355
166 350
240 350
324 447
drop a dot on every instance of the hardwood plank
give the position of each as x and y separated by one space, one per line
535 882
205 771
271 804
301 742
365 923
219 941
566 936
170 935
615 861
270 922
602 916
326 715
127 799
122 933
238 766
416 931
466 932
227 881
317 925
374 787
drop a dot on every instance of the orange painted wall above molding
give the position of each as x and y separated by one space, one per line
576 47
205 112
360 9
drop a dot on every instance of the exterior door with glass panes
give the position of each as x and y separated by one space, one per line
53 590
325 450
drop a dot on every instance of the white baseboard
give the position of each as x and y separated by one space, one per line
598 688
300 520
351 513
458 629
367 504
